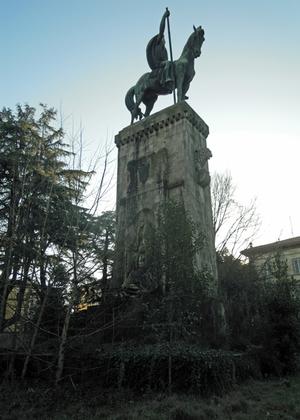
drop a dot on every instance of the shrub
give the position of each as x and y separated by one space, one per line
182 367
280 333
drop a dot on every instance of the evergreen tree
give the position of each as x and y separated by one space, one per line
37 192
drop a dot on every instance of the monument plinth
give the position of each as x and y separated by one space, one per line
162 157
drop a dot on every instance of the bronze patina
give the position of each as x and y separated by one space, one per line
165 75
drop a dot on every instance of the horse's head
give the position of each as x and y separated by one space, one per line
196 40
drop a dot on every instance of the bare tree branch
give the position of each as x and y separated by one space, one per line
235 225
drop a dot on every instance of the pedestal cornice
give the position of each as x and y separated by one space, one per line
160 120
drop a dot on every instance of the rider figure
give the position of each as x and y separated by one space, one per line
157 57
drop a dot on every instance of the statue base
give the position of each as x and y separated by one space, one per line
163 157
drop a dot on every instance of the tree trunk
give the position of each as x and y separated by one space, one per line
105 260
10 235
64 335
62 346
34 335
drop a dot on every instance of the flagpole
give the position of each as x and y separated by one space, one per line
171 56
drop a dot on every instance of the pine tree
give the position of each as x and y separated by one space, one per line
37 194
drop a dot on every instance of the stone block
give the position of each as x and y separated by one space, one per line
164 156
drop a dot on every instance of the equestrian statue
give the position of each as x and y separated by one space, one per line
165 75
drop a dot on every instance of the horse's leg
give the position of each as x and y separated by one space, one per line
136 110
185 88
180 82
149 103
180 96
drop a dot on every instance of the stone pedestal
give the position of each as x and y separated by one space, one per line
162 157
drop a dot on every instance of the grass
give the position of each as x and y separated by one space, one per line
257 400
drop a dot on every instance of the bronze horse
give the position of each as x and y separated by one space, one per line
149 86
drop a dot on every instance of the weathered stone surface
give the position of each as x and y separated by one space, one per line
162 157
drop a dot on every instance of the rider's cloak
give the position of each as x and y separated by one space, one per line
156 52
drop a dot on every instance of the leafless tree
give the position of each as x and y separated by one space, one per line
80 267
235 224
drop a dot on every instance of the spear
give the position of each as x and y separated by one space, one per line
171 56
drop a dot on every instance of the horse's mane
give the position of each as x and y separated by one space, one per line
191 39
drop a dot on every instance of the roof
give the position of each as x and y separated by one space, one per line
273 246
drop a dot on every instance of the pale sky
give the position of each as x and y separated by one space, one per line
81 56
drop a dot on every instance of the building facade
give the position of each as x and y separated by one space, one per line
264 255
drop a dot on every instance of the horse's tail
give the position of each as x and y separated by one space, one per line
135 110
129 99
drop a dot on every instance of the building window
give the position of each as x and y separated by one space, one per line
296 265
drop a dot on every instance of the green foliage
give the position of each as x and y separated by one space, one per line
192 369
174 245
243 295
263 312
37 191
280 327
50 242
52 314
33 180
175 311
254 400
103 231
50 245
